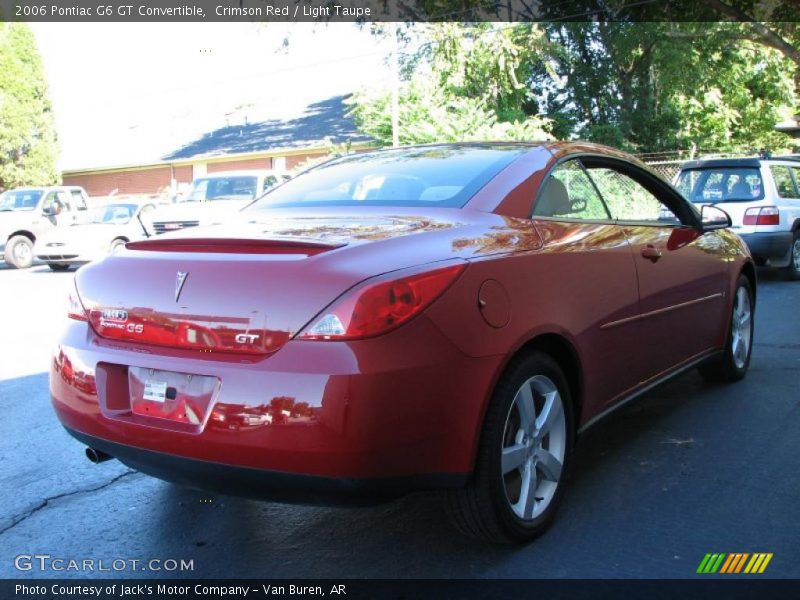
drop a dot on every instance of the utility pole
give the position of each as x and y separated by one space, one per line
395 87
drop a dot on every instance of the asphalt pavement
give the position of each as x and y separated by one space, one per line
689 469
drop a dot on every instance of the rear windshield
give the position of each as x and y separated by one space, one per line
20 200
724 184
240 187
437 176
117 214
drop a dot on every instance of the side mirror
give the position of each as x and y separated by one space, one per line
49 211
713 218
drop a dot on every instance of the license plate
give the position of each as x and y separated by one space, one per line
155 391
169 397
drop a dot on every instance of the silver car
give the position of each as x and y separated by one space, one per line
108 228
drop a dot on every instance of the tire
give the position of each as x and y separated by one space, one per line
59 266
116 245
493 505
19 252
792 270
733 364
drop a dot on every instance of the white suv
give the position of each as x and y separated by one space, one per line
762 196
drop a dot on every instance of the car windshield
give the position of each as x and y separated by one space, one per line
436 176
723 184
115 214
239 187
20 200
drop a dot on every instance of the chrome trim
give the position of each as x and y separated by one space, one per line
654 382
659 311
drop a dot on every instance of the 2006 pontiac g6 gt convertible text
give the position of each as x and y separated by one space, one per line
445 316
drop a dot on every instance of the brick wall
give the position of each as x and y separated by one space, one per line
293 161
150 181
183 174
145 181
240 165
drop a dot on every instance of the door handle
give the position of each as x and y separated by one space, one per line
650 252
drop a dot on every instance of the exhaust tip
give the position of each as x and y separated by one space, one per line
97 456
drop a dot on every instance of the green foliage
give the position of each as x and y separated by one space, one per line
27 135
651 87
640 86
428 115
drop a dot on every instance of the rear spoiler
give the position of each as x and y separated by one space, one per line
235 246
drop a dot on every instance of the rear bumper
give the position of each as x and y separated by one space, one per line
375 417
773 245
269 485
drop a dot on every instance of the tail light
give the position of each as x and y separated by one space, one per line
765 215
76 310
379 306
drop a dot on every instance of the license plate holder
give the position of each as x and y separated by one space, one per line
173 398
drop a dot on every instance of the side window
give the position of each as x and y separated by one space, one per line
52 204
628 200
783 181
568 192
78 201
269 181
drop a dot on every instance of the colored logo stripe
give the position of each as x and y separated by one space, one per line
710 563
758 563
734 562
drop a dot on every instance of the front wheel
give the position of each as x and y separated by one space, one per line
19 252
117 245
58 266
733 364
792 270
522 457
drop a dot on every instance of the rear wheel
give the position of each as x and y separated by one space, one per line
19 252
59 266
792 270
522 458
733 364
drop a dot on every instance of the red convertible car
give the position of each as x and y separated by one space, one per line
444 316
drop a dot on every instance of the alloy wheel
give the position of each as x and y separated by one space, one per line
741 327
22 253
534 447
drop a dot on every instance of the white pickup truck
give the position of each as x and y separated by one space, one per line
27 213
214 198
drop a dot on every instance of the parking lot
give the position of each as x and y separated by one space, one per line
690 469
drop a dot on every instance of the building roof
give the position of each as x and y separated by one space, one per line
182 132
320 121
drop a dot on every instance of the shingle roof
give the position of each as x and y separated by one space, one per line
320 120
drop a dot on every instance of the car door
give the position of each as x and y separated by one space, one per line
681 271
587 256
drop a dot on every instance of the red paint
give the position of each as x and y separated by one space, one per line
409 400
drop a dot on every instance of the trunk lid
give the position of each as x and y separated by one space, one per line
248 295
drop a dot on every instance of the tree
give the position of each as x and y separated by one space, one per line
27 133
461 85
658 86
641 86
